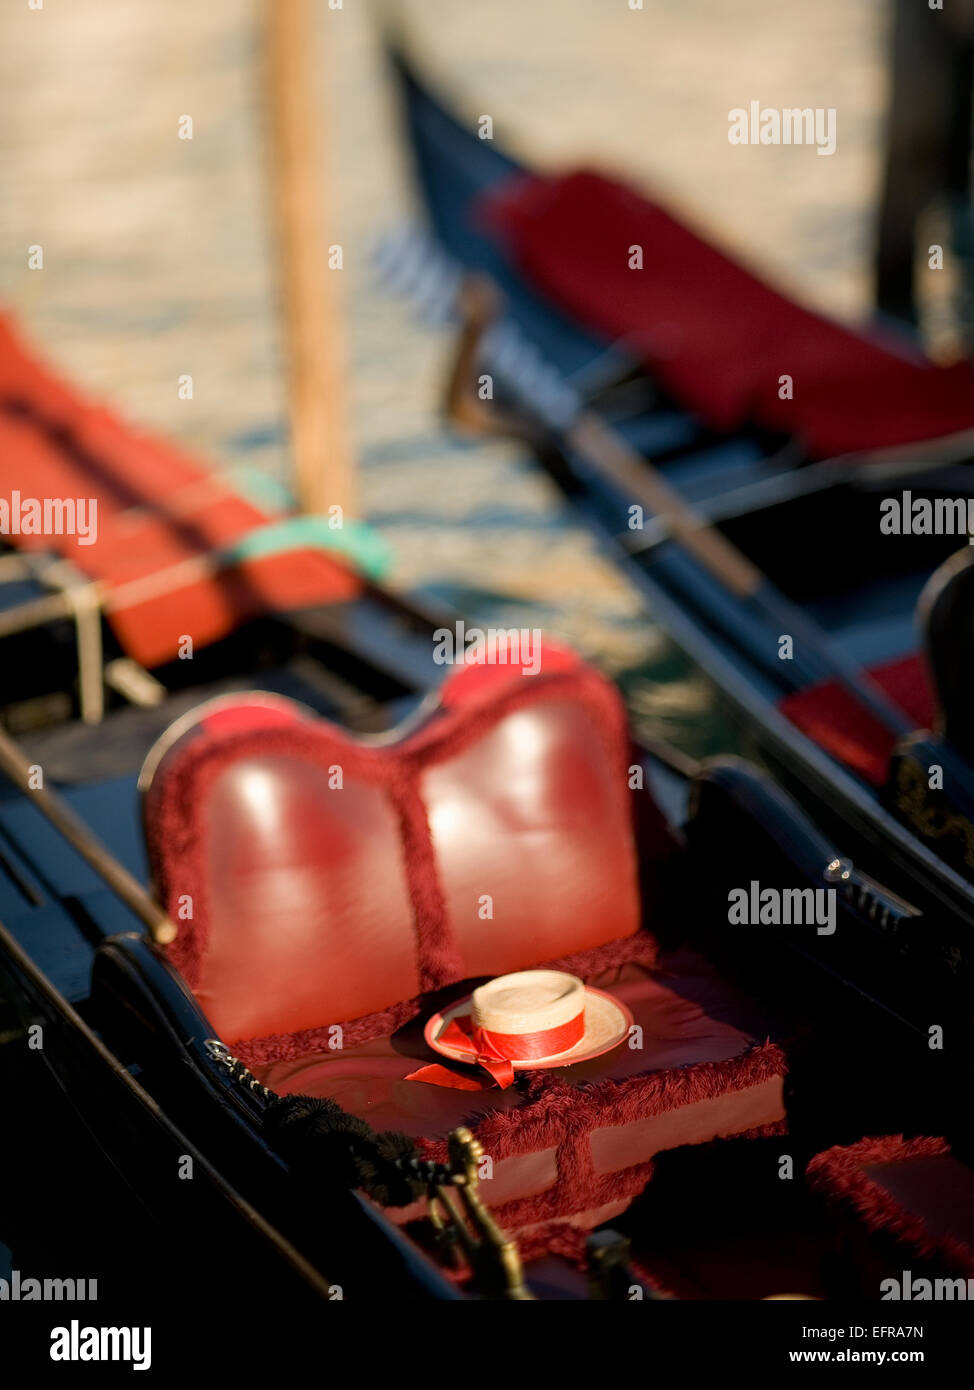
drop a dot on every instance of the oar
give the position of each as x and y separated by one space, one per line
15 764
608 454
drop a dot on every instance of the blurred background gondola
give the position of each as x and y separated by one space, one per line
159 252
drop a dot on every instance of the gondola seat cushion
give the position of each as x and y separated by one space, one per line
832 716
319 878
715 336
331 892
896 1205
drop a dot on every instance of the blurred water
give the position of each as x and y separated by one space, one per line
159 259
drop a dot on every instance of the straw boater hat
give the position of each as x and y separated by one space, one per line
522 1022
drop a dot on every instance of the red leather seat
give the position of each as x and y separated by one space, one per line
346 876
328 888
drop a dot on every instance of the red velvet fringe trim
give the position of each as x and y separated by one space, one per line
562 1116
554 1238
641 948
438 956
838 1174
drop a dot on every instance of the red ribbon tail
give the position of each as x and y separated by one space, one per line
500 1070
453 1080
478 1051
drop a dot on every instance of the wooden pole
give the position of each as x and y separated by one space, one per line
299 183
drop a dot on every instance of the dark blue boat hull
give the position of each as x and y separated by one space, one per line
734 643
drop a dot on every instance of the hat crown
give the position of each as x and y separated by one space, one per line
528 1001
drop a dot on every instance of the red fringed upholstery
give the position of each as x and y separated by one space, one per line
713 334
325 920
577 1141
595 1143
831 716
903 1200
349 876
157 508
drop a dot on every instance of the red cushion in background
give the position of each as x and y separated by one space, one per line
157 507
837 722
717 337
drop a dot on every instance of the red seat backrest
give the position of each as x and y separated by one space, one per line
316 877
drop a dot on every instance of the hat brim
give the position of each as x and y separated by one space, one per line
607 1023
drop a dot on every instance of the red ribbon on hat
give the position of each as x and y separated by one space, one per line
493 1051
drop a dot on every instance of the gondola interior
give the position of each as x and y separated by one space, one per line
255 896
734 1065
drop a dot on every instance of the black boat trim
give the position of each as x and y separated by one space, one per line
54 1001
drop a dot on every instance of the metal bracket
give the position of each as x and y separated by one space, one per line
466 1230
